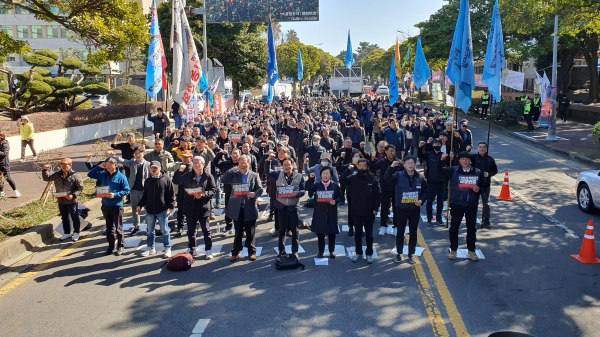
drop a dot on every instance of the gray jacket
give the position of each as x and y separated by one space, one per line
233 208
133 165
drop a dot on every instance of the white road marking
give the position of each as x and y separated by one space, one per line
321 261
200 327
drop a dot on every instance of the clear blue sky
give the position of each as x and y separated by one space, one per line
375 21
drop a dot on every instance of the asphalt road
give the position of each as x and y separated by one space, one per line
528 282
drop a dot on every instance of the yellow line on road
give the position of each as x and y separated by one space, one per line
454 316
428 297
24 277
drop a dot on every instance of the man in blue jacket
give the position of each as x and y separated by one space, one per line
395 136
112 187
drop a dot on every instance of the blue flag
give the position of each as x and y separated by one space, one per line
494 56
461 69
349 54
393 82
300 65
154 68
205 88
272 70
422 72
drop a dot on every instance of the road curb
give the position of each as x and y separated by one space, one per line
15 249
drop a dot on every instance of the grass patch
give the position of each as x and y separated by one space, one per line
18 220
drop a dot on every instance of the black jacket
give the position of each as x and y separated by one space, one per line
158 195
434 168
4 152
363 193
485 164
190 205
325 215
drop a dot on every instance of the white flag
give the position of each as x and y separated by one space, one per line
187 67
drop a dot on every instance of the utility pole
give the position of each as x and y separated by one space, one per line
552 127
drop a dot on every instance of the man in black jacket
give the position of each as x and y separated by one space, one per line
465 185
487 165
159 200
387 191
364 197
436 181
160 121
5 166
68 187
199 188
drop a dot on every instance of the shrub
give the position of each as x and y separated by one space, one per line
83 106
71 63
39 60
127 94
61 82
508 112
90 70
96 89
39 88
48 53
596 131
42 71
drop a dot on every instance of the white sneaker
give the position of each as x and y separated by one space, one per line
34 157
65 237
370 259
168 253
17 194
209 255
75 237
196 252
272 231
382 230
148 252
2 195
356 258
230 232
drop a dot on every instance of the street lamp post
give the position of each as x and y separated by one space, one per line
552 127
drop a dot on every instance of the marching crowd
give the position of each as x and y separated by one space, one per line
360 152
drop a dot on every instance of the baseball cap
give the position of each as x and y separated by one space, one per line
155 163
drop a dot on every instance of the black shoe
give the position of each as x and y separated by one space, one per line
270 218
120 251
351 232
320 256
178 232
282 253
158 232
410 260
398 257
331 255
109 251
134 231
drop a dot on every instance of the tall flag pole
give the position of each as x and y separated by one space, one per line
154 67
300 66
495 61
421 72
187 67
393 82
272 70
461 69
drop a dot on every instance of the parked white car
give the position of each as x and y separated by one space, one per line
588 190
383 90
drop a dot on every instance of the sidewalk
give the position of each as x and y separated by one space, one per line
575 139
27 175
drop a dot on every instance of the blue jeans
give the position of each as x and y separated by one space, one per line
162 221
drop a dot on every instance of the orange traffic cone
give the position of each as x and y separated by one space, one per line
587 253
505 192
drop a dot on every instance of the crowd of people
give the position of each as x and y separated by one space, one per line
319 153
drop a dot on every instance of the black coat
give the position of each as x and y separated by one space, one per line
485 164
158 195
325 216
189 205
363 193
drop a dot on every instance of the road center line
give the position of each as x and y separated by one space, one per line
454 316
427 296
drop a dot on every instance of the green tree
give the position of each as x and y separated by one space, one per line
111 25
37 90
364 49
376 64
